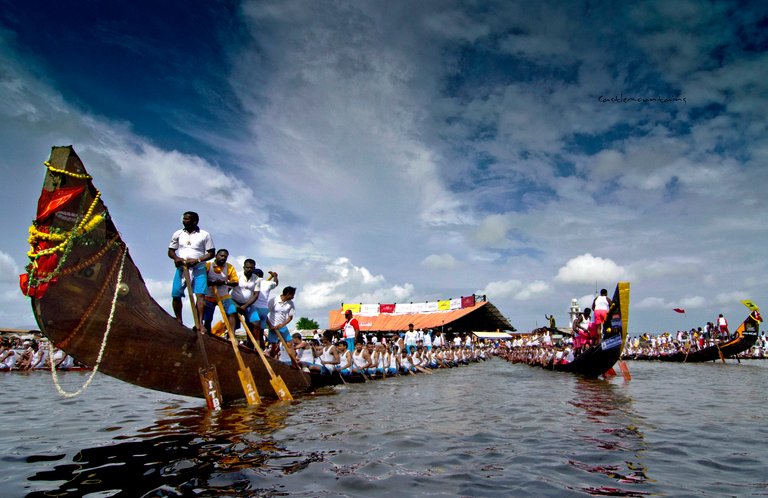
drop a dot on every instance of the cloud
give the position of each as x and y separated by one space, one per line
439 261
9 270
514 289
346 282
492 231
588 269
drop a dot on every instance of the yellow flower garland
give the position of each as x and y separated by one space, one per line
82 176
88 223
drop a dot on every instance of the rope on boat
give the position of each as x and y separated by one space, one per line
88 381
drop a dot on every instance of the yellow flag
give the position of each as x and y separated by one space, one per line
444 305
749 304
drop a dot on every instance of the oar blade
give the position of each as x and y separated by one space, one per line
624 370
249 386
278 384
211 389
610 373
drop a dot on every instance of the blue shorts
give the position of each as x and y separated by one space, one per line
251 314
263 312
211 307
199 281
272 336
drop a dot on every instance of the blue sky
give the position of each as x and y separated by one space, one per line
410 151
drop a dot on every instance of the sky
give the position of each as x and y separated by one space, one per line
398 151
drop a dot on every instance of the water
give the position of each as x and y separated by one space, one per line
491 429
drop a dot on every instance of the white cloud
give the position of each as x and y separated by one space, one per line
588 269
514 289
439 261
9 270
492 231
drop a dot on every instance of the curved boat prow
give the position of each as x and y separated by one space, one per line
83 282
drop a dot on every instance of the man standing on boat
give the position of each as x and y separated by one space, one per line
222 276
263 290
281 311
350 330
722 326
189 249
600 306
245 295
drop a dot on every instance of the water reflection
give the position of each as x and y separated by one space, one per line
186 451
604 409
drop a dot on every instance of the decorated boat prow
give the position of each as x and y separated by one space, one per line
90 300
593 361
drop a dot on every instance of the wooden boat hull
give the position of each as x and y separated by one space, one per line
145 346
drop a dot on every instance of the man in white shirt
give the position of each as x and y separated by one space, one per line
280 313
410 339
246 294
263 290
189 249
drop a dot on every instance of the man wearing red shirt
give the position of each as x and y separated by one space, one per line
350 330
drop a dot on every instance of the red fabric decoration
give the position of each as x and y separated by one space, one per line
50 202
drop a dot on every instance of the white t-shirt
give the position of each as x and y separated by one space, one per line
601 303
245 288
264 287
280 310
191 245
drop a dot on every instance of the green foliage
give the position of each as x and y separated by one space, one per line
306 324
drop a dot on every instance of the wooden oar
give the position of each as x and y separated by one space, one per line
719 351
208 375
277 382
624 370
246 379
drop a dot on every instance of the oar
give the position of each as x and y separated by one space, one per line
208 376
624 370
277 382
719 351
246 379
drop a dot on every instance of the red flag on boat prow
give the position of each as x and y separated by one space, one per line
678 310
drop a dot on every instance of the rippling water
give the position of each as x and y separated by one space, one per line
491 429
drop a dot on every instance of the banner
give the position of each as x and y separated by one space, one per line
403 308
456 304
431 307
353 307
369 309
418 307
387 308
444 305
468 301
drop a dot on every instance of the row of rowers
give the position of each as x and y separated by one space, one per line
378 358
218 286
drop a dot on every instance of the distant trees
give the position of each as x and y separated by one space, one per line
305 323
